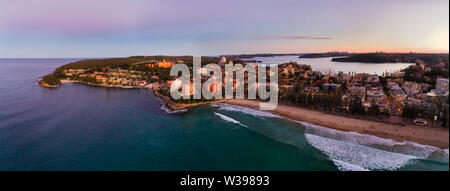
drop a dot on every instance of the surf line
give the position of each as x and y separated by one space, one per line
229 119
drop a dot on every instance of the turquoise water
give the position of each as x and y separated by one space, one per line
78 127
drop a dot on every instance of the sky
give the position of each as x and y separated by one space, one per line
118 28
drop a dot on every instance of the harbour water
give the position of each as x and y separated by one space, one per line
79 127
326 65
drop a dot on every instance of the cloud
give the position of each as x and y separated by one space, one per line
295 37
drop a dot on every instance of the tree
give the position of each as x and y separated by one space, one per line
410 111
51 80
356 106
374 109
385 112
445 116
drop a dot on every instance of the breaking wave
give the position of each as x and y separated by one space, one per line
229 119
253 112
344 166
167 110
404 147
350 156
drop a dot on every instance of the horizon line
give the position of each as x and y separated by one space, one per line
82 57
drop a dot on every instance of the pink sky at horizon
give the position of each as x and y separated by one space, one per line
105 28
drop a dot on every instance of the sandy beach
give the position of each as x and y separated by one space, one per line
438 137
69 81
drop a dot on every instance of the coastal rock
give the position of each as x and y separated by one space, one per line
43 84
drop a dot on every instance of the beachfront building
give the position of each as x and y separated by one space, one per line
372 80
331 87
398 94
411 88
442 86
441 91
354 92
376 95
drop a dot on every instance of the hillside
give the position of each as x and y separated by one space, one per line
393 58
325 55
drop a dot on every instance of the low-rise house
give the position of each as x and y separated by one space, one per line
356 82
398 94
375 93
391 84
441 91
442 86
332 87
414 101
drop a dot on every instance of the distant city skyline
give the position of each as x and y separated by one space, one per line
117 28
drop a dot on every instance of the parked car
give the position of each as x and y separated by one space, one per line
420 121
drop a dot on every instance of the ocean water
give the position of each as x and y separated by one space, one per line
79 127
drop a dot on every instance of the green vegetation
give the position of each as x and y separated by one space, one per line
410 111
249 56
356 106
50 81
374 109
369 58
417 73
131 63
98 64
325 55
121 71
393 58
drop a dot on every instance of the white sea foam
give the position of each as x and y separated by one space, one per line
253 112
229 119
445 151
167 110
405 147
344 166
349 156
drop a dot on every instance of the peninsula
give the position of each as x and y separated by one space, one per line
326 55
381 57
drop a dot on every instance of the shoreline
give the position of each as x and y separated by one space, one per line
438 137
